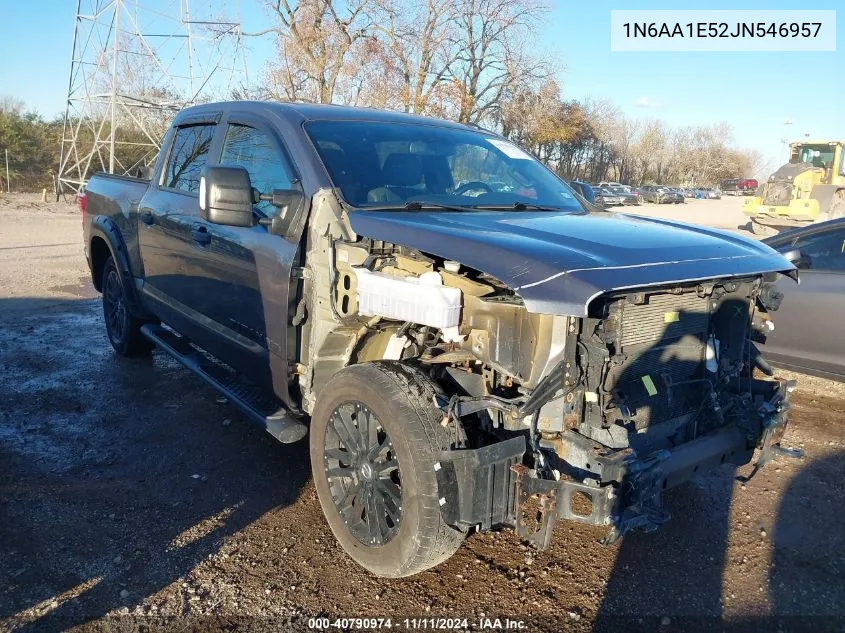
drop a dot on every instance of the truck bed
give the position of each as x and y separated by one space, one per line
117 197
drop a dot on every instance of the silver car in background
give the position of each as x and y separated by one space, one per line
608 198
628 195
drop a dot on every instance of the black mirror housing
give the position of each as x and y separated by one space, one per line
288 202
226 195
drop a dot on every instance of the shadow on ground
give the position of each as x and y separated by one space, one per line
677 581
116 476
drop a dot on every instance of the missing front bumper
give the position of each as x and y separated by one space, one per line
633 502
490 487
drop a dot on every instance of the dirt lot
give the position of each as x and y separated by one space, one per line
130 498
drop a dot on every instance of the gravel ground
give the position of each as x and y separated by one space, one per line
131 499
722 214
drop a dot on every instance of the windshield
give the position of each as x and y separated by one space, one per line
379 164
818 155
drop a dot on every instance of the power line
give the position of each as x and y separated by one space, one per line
133 64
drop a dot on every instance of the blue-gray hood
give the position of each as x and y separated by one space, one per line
559 261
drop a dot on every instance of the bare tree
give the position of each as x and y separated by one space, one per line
416 37
543 123
317 39
491 53
10 105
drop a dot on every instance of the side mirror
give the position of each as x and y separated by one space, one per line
288 202
226 195
797 258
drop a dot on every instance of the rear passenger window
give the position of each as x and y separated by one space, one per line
187 157
256 152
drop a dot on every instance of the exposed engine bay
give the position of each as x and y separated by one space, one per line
590 417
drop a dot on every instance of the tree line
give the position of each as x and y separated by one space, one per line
474 61
32 144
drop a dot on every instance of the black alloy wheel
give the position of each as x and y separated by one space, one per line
363 473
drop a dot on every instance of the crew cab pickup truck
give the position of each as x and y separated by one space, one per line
467 343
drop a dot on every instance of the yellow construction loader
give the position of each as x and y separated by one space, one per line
810 188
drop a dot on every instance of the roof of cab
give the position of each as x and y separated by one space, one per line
313 111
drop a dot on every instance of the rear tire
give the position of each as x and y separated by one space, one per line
123 329
397 401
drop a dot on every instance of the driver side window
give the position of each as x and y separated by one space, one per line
256 152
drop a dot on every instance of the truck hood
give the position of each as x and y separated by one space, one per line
560 261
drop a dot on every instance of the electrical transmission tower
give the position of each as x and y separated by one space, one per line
134 64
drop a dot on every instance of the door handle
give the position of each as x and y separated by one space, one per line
200 234
147 218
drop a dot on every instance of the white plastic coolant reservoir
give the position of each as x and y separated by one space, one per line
424 299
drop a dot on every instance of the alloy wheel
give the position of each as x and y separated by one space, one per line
363 474
114 307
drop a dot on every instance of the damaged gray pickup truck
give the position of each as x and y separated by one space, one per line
467 342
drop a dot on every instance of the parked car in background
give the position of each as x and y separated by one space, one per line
688 192
628 195
739 186
678 193
810 332
651 193
584 188
709 193
607 198
661 194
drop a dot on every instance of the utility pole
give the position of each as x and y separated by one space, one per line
116 37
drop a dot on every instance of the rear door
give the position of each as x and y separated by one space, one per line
809 329
168 213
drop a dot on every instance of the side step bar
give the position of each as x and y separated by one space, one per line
258 405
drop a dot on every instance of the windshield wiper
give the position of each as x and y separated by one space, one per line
519 206
421 205
417 205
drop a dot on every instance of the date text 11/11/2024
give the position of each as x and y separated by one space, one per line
722 29
416 624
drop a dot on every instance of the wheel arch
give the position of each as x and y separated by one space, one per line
825 195
106 241
100 252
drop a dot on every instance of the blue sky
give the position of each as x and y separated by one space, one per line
754 92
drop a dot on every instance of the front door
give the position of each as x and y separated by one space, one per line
246 271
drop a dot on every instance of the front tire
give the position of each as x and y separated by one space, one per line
836 209
123 329
375 439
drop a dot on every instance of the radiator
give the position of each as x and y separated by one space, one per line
659 343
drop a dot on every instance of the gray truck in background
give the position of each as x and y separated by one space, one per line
467 342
